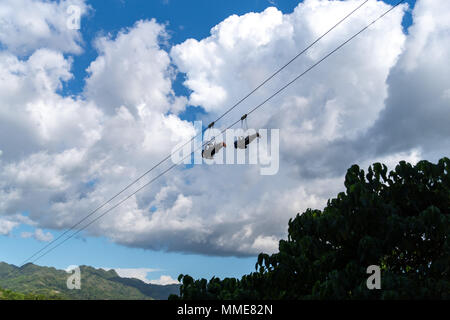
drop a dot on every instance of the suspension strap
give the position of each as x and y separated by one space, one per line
244 125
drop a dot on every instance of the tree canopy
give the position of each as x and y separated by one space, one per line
397 220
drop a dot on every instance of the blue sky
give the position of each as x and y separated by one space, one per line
183 20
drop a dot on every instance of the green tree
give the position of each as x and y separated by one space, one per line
11 295
399 221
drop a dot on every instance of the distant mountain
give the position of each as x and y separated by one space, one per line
95 284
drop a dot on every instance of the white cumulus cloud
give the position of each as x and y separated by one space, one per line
137 273
132 70
6 226
39 235
27 25
164 280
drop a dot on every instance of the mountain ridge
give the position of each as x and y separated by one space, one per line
96 284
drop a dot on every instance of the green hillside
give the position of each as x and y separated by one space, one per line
11 295
32 281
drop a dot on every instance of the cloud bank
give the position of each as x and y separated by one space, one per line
383 97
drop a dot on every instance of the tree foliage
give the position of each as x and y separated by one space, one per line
11 295
398 220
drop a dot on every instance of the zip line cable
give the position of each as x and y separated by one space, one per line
212 123
251 111
139 189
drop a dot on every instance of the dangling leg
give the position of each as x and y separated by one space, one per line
250 138
219 146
